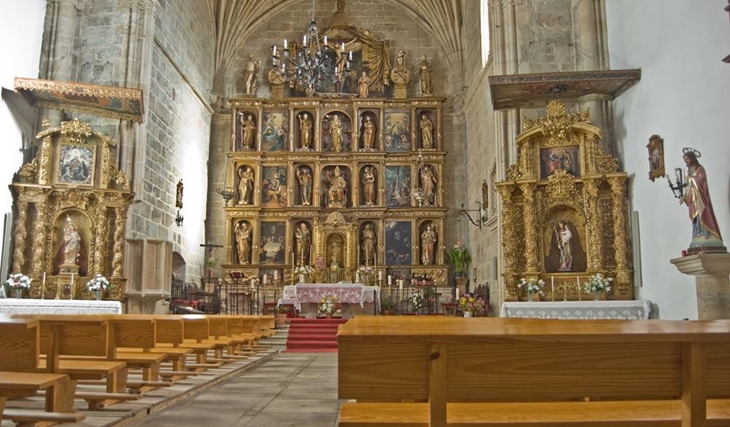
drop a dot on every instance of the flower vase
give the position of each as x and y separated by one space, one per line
329 315
467 314
98 295
597 295
18 293
530 297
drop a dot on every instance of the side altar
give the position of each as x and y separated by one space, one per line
354 298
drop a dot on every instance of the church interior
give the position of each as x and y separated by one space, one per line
369 166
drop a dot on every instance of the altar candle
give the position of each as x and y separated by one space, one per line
390 280
552 284
301 278
285 44
43 287
400 283
457 294
266 278
357 277
380 275
325 40
276 274
72 286
252 283
577 278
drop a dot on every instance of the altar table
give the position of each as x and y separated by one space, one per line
626 310
354 298
58 306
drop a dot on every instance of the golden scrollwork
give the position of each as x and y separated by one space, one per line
557 122
561 185
29 171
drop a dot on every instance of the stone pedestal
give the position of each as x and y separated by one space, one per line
711 271
461 284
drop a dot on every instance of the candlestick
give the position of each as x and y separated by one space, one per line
390 279
380 275
72 286
266 278
276 274
578 280
285 45
325 40
43 287
357 277
301 278
400 284
552 286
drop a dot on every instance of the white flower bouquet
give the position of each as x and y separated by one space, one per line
328 305
533 285
19 281
366 269
98 283
597 283
304 269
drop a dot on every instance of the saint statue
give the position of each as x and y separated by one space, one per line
368 133
243 242
363 85
248 129
305 185
71 256
305 131
303 241
368 185
428 241
245 185
564 239
337 193
424 70
428 181
249 75
400 74
426 132
368 244
336 133
705 229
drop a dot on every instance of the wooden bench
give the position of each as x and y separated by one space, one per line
439 371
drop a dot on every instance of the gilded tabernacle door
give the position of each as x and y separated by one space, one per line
336 249
564 211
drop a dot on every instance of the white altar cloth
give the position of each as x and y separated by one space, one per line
346 293
58 306
626 310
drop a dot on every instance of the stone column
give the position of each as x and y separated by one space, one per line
712 278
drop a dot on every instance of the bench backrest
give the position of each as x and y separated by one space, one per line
19 345
195 327
217 326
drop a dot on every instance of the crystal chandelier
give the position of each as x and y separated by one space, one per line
312 65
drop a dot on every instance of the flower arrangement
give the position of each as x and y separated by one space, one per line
421 297
19 280
98 284
366 269
533 285
304 269
474 304
328 305
597 283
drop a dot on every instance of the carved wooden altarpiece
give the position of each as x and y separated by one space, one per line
71 184
564 211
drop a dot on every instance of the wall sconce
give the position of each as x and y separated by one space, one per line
179 203
679 183
227 194
179 219
481 214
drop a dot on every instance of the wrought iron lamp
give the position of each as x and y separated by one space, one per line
227 194
679 183
481 214
314 63
179 219
417 192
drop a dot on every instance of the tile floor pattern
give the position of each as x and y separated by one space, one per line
296 389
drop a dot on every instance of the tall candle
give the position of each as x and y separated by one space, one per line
400 284
578 280
552 285
252 282
357 277
380 275
457 293
43 287
301 278
266 278
390 280
72 286
276 274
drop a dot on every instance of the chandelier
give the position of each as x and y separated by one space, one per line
313 64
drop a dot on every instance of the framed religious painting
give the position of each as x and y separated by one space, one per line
76 164
397 131
272 242
398 242
275 133
566 158
398 186
273 186
656 157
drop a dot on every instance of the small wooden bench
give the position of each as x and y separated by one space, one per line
444 371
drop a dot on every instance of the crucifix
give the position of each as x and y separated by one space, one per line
209 248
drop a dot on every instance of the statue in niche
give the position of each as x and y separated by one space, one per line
705 230
250 71
565 250
245 185
426 126
336 133
428 182
305 185
337 193
564 239
363 85
424 70
428 242
71 256
248 129
367 130
368 185
305 131
303 243
243 242
368 244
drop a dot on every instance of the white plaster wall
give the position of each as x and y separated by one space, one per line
21 30
684 96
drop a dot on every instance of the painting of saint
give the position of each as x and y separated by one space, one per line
398 243
272 242
565 253
398 186
275 136
397 131
76 164
554 158
273 187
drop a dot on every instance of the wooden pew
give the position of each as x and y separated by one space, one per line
195 332
439 371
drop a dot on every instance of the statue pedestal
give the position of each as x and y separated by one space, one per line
68 269
711 271
461 284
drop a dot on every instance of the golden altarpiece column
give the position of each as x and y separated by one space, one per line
70 206
348 179
564 210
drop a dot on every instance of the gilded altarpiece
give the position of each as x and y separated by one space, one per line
70 205
564 210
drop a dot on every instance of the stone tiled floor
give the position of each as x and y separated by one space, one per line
292 389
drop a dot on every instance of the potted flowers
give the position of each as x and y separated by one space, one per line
98 285
328 306
19 282
533 286
472 305
460 258
597 284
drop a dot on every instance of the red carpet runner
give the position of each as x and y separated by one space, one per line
313 335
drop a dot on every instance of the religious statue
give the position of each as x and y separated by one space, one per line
367 130
305 185
337 193
71 256
248 129
245 185
303 243
243 242
428 181
368 244
336 133
428 241
305 131
363 85
564 239
705 229
400 74
426 126
368 185
424 70
250 71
